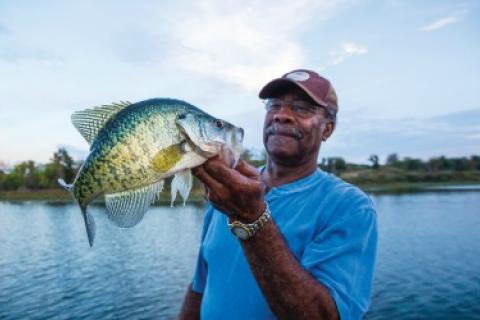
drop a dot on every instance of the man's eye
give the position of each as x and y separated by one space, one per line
274 106
302 109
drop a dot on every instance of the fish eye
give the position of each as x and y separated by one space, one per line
219 124
182 116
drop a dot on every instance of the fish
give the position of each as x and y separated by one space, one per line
134 147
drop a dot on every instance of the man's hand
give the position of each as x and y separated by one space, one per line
237 192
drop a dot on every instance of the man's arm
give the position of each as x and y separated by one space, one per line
290 291
191 305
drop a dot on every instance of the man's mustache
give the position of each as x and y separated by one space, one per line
275 128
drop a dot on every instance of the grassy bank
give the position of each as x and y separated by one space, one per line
382 180
61 196
395 180
412 187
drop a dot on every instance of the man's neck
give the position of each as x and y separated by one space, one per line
277 174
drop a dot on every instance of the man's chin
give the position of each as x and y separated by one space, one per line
282 139
283 147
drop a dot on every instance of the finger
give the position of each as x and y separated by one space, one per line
246 169
227 156
206 191
224 174
206 178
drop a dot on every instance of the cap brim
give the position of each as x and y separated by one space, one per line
274 86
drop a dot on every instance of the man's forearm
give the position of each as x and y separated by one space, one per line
290 290
191 305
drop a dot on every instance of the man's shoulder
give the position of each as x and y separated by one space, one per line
346 195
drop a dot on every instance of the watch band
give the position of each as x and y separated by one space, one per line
247 230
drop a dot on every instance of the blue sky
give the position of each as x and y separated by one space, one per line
407 73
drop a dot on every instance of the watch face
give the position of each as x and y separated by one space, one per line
240 232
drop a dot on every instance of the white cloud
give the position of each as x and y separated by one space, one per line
455 17
244 44
347 50
440 23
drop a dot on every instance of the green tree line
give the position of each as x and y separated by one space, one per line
29 175
436 164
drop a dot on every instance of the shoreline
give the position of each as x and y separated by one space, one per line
418 187
59 196
196 197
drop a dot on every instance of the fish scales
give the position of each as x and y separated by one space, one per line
134 147
132 162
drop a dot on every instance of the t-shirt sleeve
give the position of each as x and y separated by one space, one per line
201 268
342 258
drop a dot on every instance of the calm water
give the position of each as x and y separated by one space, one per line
428 261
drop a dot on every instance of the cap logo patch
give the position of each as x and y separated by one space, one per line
298 76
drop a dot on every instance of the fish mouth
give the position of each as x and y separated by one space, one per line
285 131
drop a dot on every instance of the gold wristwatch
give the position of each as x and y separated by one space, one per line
244 231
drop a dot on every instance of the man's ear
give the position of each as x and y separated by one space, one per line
328 130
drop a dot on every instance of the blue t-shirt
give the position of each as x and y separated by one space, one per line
329 226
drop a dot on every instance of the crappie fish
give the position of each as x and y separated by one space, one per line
134 147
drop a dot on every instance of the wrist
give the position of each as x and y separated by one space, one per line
245 231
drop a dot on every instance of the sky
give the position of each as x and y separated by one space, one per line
407 73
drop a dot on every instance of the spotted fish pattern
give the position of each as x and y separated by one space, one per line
134 147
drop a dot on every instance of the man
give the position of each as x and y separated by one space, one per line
289 241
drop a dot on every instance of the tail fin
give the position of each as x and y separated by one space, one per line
89 222
89 225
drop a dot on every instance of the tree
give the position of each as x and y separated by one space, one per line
440 163
62 166
31 177
413 164
475 162
256 160
18 176
374 160
247 155
333 164
392 160
460 164
340 164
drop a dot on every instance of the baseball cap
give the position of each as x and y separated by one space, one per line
315 86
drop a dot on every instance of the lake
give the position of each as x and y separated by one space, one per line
428 264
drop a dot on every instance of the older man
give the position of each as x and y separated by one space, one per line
288 241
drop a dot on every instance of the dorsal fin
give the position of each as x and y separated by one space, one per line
89 121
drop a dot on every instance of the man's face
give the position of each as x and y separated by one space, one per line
291 138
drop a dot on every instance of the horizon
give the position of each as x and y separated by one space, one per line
80 155
406 72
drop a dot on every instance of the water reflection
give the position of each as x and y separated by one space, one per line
428 256
48 270
428 260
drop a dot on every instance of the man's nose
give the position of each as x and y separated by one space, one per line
284 115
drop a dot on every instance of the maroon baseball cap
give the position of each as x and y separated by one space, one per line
315 86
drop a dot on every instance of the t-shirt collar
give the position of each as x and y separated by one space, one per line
297 185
